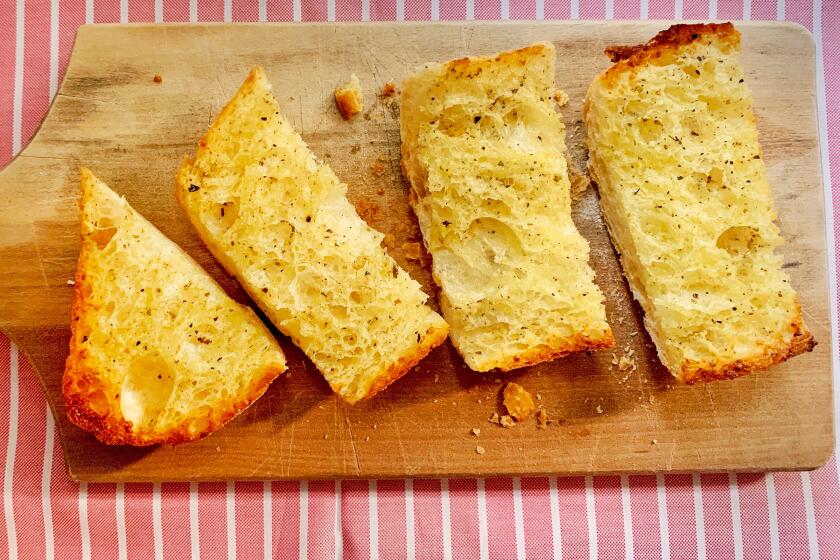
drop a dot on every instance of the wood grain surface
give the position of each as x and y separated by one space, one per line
133 132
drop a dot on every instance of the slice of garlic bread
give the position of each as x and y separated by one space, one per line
484 149
675 152
158 351
279 221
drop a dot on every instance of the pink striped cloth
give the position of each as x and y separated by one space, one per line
716 516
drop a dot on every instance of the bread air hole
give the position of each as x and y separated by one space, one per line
739 240
103 236
146 390
454 120
228 212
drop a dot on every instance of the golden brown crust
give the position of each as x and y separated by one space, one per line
694 372
434 337
628 57
471 67
557 349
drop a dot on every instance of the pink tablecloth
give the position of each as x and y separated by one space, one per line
45 515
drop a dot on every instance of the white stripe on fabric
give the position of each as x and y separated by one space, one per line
591 523
84 528
481 506
699 520
330 10
268 535
409 519
296 12
158 11
228 13
46 485
554 505
230 514
713 9
365 9
157 521
627 517
518 519
644 9
780 10
747 9
195 549
88 11
373 520
822 124
470 15
263 11
337 524
123 11
193 11
504 12
539 10
609 9
810 519
773 516
303 521
663 516
17 101
119 506
400 10
678 9
11 446
574 9
735 505
446 519
53 48
435 12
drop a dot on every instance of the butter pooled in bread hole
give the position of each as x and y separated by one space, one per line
146 390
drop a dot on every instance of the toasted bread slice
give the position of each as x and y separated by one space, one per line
484 149
280 221
158 351
675 152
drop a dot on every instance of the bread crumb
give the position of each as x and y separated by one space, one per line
479 450
377 168
634 333
561 97
626 364
651 399
367 438
326 436
599 409
653 442
538 397
579 182
368 211
507 422
542 419
518 401
218 448
437 377
494 418
71 282
476 431
348 98
374 426
158 79
389 89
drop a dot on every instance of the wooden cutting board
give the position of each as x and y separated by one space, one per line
132 132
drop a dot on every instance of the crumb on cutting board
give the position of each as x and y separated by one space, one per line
377 168
480 450
561 97
542 419
389 89
158 79
507 422
348 98
518 402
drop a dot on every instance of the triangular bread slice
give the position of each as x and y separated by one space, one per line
159 353
484 149
279 220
